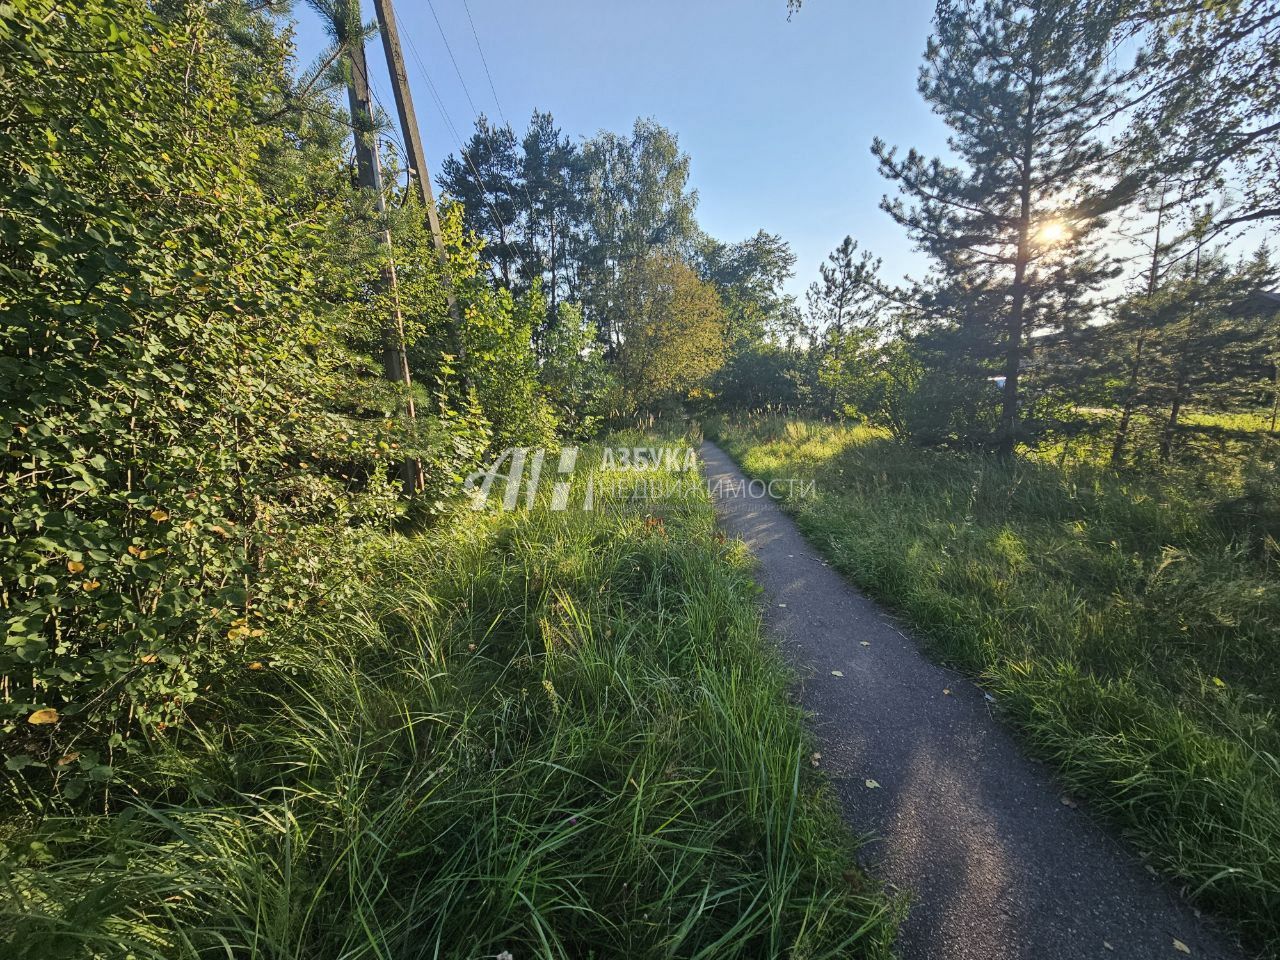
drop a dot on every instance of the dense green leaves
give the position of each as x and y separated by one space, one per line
187 388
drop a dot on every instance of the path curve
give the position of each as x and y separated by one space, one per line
997 866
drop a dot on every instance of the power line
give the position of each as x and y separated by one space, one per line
524 187
458 70
444 112
484 60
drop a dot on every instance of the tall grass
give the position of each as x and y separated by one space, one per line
1128 625
554 734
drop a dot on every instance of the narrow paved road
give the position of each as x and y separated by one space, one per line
997 866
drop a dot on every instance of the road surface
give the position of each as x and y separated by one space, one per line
996 864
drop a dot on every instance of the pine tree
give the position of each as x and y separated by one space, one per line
1025 88
1208 105
551 170
1207 347
485 178
842 308
847 295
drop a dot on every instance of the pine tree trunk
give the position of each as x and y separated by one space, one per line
1180 389
1130 401
1131 394
1008 440
1275 392
1171 425
555 273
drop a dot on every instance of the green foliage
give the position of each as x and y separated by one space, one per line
554 734
749 277
1204 343
161 411
1125 625
672 328
1207 109
191 306
498 329
759 375
1012 227
486 180
573 373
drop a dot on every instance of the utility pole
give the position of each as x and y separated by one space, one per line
395 361
419 171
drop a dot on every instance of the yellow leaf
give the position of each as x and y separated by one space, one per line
91 585
159 516
256 665
75 566
69 758
1219 682
47 715
1180 946
148 658
134 549
872 785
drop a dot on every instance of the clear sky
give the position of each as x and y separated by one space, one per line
776 116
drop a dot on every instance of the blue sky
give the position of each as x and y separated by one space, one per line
776 116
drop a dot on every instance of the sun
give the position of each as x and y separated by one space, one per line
1052 232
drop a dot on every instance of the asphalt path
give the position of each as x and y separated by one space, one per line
997 861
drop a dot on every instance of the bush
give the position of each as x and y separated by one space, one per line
554 733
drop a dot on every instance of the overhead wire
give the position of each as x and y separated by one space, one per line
448 48
524 187
485 61
457 137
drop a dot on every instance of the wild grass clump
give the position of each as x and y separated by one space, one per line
554 734
1127 624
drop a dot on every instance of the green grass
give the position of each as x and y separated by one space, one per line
555 734
1128 626
1223 443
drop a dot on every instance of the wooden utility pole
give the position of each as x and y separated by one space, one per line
418 172
395 360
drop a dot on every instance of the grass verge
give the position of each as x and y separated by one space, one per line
555 734
1127 626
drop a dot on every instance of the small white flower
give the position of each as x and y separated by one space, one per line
504 955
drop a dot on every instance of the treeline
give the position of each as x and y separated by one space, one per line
1090 278
606 230
1069 161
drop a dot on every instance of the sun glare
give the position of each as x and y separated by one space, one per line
1052 232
